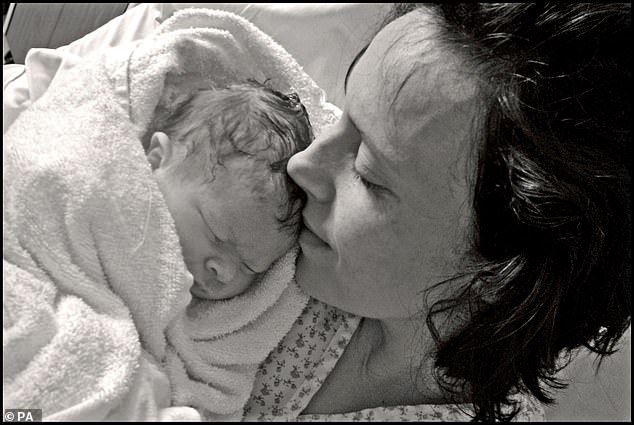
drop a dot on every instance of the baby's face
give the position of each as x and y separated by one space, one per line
228 236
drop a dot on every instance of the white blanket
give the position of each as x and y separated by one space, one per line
95 287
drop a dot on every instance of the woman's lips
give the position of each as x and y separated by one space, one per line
309 238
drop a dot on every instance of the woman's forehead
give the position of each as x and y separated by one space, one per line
407 84
409 50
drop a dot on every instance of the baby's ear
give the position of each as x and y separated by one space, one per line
160 151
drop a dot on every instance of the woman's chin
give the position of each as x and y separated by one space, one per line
314 280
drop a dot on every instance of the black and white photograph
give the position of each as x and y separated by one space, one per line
317 212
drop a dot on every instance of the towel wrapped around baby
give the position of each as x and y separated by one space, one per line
97 319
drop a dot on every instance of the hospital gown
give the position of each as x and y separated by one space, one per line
297 368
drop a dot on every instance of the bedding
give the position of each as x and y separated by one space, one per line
323 38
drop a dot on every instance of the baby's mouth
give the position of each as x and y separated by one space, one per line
216 291
209 291
199 291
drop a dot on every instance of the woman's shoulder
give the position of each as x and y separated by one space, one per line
293 373
530 410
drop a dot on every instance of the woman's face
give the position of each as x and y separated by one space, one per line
371 248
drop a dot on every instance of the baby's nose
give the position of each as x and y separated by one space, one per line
224 268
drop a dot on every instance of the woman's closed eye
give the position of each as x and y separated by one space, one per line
364 174
373 187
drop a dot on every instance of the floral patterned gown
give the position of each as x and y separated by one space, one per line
294 372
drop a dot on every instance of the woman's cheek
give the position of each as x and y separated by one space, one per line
361 230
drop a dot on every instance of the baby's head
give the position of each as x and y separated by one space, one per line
220 161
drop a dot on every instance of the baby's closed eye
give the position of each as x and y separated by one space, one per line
249 269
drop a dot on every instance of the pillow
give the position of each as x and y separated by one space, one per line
23 84
323 38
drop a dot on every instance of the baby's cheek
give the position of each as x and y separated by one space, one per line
241 284
286 242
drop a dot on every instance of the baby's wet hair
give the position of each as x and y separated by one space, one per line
246 119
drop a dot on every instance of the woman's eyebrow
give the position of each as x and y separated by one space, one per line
366 139
354 62
381 159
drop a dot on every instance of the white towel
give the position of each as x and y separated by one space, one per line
92 270
90 253
204 48
214 356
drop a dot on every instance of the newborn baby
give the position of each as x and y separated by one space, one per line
97 269
220 162
91 294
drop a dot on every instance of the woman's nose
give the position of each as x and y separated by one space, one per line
224 267
312 171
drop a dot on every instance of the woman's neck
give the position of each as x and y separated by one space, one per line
400 351
386 363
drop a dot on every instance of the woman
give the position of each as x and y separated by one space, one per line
472 207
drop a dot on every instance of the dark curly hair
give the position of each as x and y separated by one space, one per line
551 233
244 119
